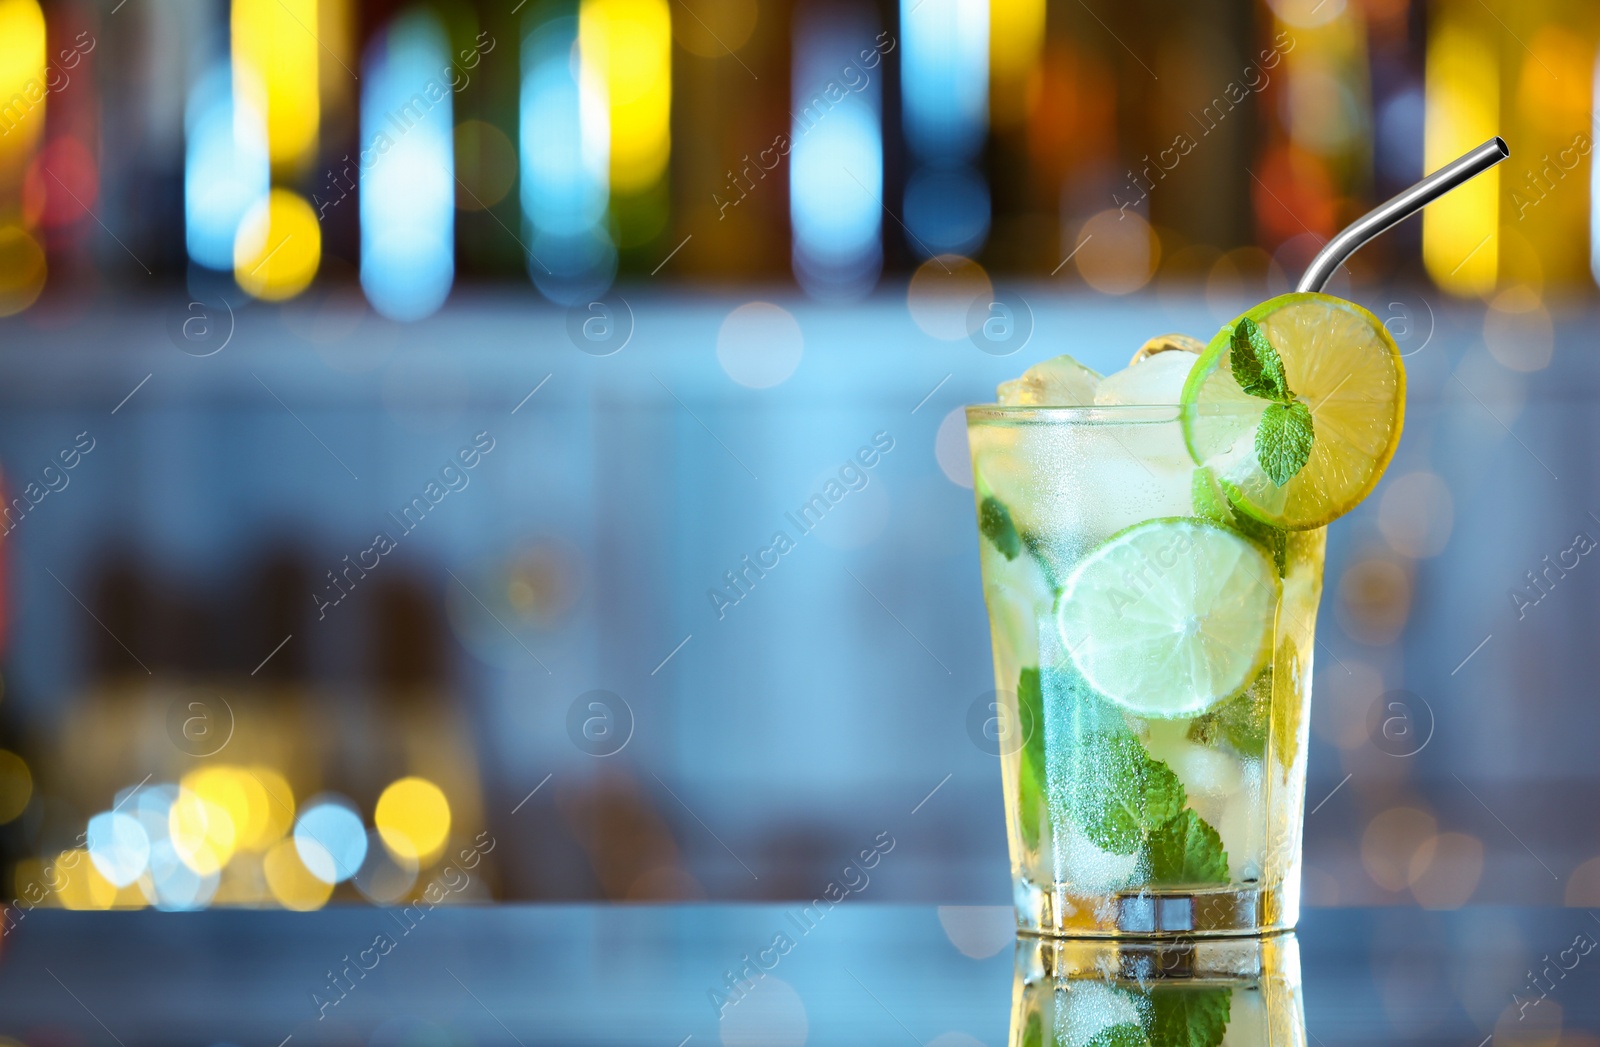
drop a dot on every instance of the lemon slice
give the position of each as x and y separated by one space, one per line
1340 361
1169 617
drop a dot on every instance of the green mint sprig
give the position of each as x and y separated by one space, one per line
1284 437
1189 1017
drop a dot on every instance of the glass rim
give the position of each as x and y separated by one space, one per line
1103 414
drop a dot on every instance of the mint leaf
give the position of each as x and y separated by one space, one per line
1122 794
1186 852
1122 1034
1283 440
1033 1033
1256 365
1031 790
994 523
1186 1017
1241 720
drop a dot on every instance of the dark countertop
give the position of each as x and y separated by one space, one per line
635 974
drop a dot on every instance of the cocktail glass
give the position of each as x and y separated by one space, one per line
1153 632
1069 479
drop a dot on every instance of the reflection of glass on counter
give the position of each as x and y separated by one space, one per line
1223 992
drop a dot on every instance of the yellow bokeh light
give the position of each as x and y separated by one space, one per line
627 46
79 884
279 806
202 832
243 882
715 28
1117 252
1016 38
413 817
22 77
259 819
1555 88
278 247
290 882
275 73
22 268
1445 870
486 165
1391 843
16 786
1459 245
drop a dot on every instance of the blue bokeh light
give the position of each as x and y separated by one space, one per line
408 169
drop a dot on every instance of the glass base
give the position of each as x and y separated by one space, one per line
1148 913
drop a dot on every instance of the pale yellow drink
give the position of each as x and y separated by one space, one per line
1169 808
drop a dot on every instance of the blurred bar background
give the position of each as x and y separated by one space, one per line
396 401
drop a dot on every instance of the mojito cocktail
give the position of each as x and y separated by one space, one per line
1152 548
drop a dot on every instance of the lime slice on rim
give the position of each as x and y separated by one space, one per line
1340 361
1170 616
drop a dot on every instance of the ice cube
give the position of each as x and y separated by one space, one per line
1089 868
1243 826
1248 1019
1157 379
1060 381
1092 1007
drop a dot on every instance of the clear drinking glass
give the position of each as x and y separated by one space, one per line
1235 991
1053 484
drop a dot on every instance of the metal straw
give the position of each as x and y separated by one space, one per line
1341 247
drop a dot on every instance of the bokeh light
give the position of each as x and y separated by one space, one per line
62 184
486 165
944 77
292 883
944 98
947 209
413 817
1016 39
565 141
16 785
1416 514
1445 870
384 878
173 885
715 28
770 1014
759 345
1583 886
275 73
79 884
1374 598
119 847
628 44
226 169
941 295
1553 90
201 830
278 246
22 77
1518 330
978 931
408 186
951 449
22 269
1117 252
330 839
1390 843
836 157
1463 101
